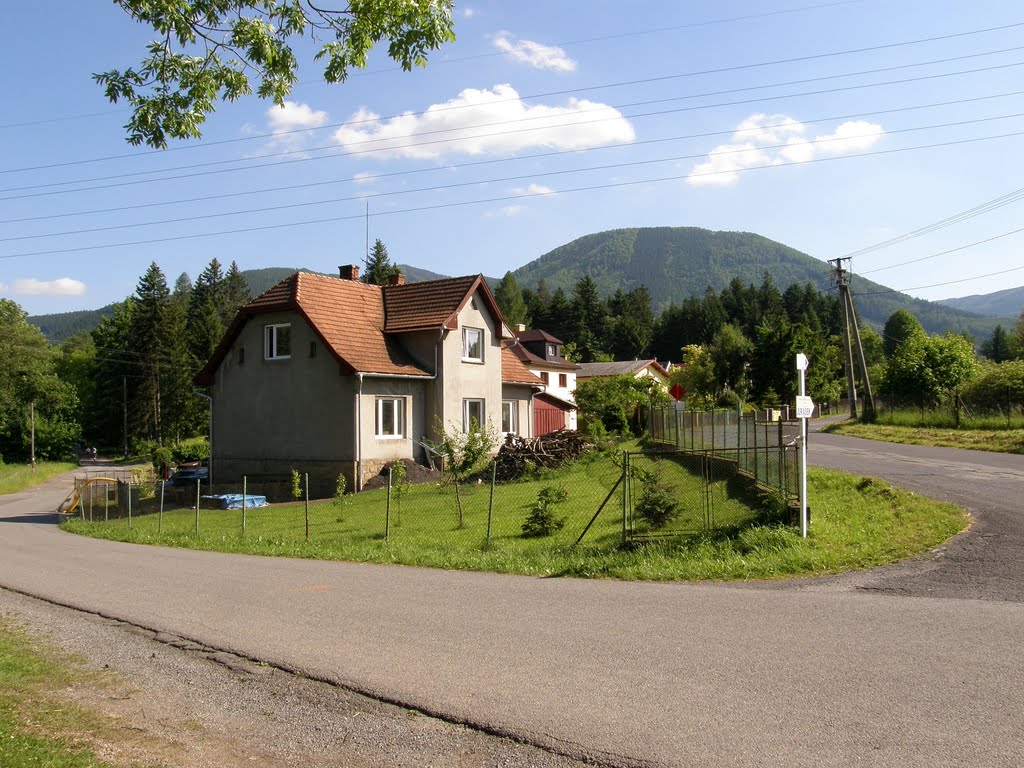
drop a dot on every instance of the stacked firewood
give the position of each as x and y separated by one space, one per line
520 456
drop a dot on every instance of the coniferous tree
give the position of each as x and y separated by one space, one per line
151 346
236 294
379 269
510 298
997 348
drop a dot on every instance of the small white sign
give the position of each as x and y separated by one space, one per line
801 361
804 407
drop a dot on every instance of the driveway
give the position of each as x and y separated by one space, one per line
617 673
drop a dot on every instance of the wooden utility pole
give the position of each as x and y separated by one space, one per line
842 278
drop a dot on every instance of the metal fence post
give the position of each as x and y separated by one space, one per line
198 481
245 489
625 491
305 493
129 503
781 446
106 502
387 510
490 502
160 515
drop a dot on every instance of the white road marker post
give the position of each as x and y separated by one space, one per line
804 411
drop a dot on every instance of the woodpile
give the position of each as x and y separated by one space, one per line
520 456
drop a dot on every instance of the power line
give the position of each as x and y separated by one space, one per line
944 253
503 198
494 161
939 285
476 182
457 59
573 124
435 110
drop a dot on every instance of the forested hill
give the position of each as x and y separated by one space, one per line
1008 302
677 262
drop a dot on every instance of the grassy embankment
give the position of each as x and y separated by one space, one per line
914 427
18 477
38 727
857 523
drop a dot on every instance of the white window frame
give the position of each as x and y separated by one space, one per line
398 403
466 333
513 414
270 341
466 419
552 350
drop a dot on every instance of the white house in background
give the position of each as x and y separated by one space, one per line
637 368
542 354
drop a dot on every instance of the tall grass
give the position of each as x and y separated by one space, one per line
945 418
18 477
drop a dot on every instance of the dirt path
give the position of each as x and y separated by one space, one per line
173 703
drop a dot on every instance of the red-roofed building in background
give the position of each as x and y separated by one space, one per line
334 376
543 355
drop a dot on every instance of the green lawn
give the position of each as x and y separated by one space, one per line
856 524
999 440
18 477
34 724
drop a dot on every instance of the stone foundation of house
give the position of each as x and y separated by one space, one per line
323 475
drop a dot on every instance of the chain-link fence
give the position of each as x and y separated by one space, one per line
601 500
762 444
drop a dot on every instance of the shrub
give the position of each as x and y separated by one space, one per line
399 486
191 450
296 485
542 520
162 461
656 506
340 499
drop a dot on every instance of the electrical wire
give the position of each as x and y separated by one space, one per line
477 182
503 198
573 124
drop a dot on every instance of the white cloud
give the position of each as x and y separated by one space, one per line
765 140
64 286
468 13
293 116
478 122
537 55
363 177
534 189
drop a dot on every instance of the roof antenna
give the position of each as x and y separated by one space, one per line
367 251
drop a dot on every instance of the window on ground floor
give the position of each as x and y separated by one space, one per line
510 416
473 415
390 417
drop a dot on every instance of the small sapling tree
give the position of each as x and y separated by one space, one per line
296 485
463 453
656 505
399 487
341 497
542 520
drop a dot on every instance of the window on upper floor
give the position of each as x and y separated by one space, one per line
473 345
552 350
473 414
563 380
509 416
390 422
277 341
544 376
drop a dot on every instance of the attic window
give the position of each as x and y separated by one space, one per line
277 341
473 345
552 350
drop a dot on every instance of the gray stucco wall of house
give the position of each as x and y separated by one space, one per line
460 379
377 451
272 416
522 396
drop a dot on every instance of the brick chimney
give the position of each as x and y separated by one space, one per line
396 279
349 272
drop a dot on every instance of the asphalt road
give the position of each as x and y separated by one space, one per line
822 673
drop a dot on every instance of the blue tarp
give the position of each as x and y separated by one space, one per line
234 501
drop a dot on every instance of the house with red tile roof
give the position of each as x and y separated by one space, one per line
542 354
330 375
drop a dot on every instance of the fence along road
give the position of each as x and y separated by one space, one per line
623 673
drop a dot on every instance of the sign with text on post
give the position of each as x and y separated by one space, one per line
804 407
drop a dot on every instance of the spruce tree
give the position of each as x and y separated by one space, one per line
510 298
379 269
235 295
150 346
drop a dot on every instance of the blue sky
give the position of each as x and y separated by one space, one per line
828 126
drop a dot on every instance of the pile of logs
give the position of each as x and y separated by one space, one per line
521 455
